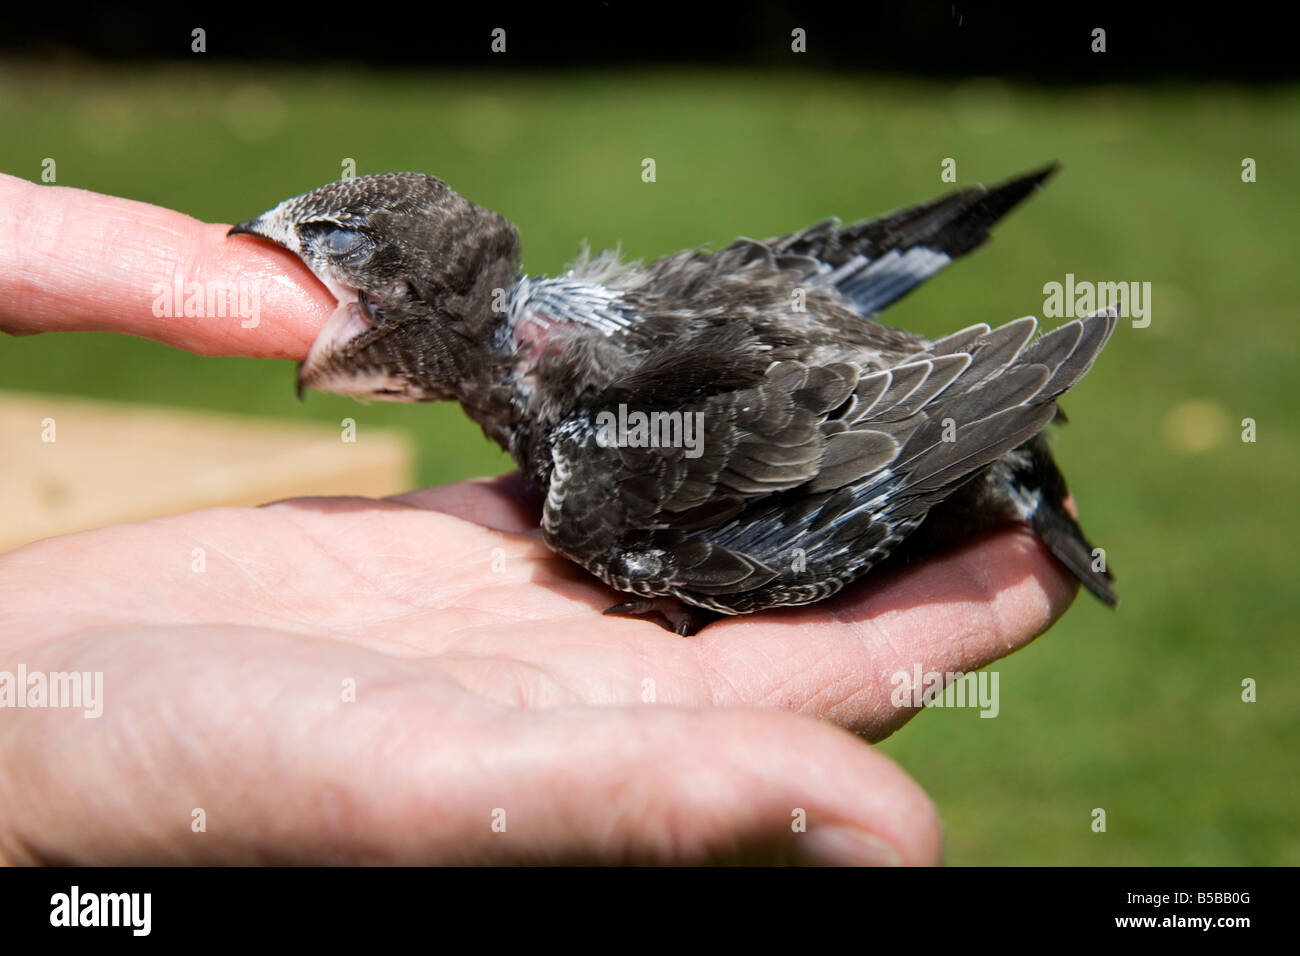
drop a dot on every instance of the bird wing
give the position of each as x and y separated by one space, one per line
806 477
875 262
868 265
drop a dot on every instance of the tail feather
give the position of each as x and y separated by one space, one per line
1065 539
1052 522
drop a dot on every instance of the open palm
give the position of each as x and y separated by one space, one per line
347 679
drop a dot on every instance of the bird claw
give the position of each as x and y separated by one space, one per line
669 613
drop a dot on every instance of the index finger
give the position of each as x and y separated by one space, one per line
74 260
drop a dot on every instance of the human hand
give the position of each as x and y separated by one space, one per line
485 676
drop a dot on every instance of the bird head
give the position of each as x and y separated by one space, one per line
414 267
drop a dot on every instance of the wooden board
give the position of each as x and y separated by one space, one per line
110 463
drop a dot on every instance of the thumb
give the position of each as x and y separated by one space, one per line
663 785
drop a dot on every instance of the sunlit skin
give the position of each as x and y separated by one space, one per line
486 676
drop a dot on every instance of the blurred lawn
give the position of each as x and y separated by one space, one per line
1137 711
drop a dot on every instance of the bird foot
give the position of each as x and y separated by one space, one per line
668 612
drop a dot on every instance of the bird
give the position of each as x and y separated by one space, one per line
715 432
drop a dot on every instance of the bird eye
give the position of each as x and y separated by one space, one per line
336 242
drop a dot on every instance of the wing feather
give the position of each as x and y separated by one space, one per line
812 474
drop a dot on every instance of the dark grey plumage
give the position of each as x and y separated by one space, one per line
829 441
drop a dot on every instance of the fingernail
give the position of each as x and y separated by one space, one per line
838 845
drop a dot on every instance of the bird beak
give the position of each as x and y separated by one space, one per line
249 227
348 356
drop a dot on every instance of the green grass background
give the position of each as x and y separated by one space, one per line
1138 711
